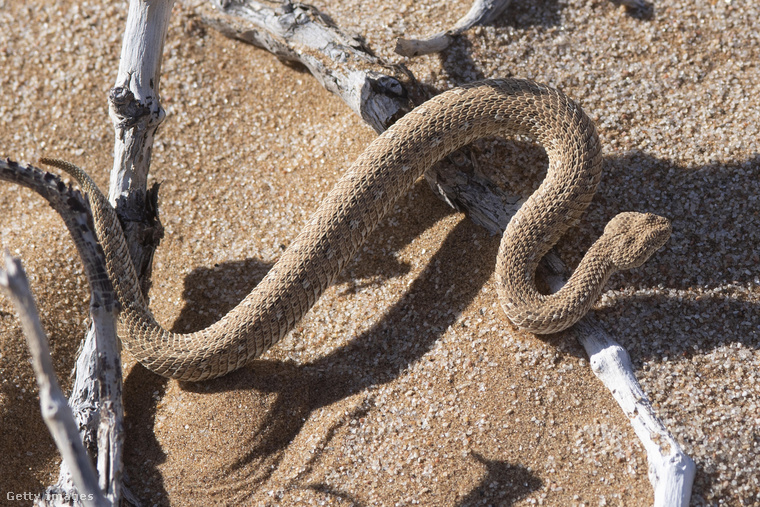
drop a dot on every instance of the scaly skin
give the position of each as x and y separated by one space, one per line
384 172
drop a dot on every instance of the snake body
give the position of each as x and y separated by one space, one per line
382 173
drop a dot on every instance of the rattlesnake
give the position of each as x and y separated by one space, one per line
385 171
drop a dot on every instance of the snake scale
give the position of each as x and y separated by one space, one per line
383 172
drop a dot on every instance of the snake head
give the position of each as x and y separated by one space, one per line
634 237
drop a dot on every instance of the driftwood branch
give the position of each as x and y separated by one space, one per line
96 397
136 114
671 471
482 12
343 63
55 410
134 104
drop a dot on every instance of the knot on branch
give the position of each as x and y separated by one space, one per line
126 107
384 99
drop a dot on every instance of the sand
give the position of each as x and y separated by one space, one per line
405 384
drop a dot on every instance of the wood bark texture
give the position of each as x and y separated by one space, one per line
341 62
53 405
97 393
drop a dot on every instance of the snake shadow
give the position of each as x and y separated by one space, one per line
383 352
712 197
503 484
377 356
714 210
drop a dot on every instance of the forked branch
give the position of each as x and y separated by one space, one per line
97 420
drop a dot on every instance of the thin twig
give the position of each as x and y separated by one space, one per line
482 12
55 409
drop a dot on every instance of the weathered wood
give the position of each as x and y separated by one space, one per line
136 113
671 471
379 92
482 12
55 409
375 90
96 395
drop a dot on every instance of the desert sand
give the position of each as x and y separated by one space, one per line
405 384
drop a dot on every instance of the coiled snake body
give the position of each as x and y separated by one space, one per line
384 172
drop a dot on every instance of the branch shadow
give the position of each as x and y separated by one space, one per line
458 63
503 484
26 444
142 452
523 15
643 10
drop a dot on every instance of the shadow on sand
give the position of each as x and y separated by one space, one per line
380 354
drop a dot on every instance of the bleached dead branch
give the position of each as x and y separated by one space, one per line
482 12
55 409
341 62
96 397
671 471
136 113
